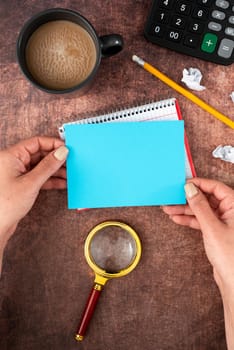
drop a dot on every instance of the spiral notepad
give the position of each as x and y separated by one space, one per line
164 110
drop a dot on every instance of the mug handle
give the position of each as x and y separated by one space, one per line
111 44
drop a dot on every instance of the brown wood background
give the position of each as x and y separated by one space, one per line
170 302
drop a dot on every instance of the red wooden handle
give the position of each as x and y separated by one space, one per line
88 311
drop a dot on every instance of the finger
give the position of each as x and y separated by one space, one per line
37 157
227 203
214 202
177 210
218 189
26 148
47 167
226 210
201 209
55 184
186 220
61 173
221 194
41 143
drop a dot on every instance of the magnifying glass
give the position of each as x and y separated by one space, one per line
112 249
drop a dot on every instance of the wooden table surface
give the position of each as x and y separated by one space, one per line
170 302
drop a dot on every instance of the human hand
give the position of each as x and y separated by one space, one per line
26 168
210 208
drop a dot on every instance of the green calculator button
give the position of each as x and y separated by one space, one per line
209 42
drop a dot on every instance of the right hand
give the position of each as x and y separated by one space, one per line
210 208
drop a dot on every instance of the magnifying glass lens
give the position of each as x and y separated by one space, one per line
113 249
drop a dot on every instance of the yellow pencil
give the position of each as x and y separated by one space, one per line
183 91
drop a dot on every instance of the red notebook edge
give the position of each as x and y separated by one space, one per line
190 159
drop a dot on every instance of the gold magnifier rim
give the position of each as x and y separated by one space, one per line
95 267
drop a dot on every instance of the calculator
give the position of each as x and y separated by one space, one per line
199 28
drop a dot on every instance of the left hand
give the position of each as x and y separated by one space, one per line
26 168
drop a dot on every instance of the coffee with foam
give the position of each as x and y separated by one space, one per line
60 54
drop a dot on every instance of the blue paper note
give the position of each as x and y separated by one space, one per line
125 164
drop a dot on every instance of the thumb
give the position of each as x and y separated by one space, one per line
201 208
48 166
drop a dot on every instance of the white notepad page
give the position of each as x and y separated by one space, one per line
161 110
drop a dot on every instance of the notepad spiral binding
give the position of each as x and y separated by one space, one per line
163 110
127 114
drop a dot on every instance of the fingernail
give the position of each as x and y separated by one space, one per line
61 153
190 190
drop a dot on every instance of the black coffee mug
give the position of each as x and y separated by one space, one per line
105 46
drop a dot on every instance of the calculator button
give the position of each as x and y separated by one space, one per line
196 27
204 2
231 20
216 27
200 13
161 17
218 15
209 42
229 31
178 22
174 35
226 48
165 3
183 7
191 40
157 30
222 3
